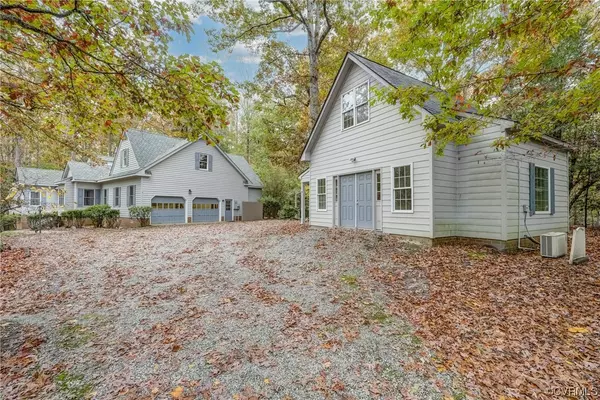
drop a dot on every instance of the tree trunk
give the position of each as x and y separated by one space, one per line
248 143
314 106
17 152
313 30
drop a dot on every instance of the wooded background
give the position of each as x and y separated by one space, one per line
75 74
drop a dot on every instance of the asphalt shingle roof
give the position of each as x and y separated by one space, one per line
82 171
398 79
148 146
38 176
243 165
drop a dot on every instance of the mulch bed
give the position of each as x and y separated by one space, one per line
515 325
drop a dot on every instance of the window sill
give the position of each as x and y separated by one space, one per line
403 212
325 210
542 213
354 126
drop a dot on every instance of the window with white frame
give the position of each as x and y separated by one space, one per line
34 198
378 184
402 188
117 197
131 195
355 106
203 161
321 195
61 198
542 189
125 158
89 197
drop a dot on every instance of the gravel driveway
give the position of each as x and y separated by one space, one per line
256 310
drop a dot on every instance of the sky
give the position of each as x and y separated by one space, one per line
240 64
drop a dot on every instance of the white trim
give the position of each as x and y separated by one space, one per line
318 194
412 189
325 109
549 191
353 90
431 191
199 161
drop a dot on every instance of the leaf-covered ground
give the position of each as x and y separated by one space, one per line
275 310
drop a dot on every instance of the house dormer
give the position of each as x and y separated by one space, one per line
125 159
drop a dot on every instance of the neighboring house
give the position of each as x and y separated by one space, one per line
183 181
369 170
39 190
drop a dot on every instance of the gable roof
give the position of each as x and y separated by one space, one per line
149 146
387 76
240 161
82 171
398 79
38 176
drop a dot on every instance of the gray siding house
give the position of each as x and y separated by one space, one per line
368 170
38 190
182 181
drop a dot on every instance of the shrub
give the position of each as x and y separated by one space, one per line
141 213
40 221
288 212
74 218
8 222
271 206
111 219
97 214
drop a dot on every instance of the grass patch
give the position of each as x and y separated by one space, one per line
477 255
73 386
378 317
73 335
350 280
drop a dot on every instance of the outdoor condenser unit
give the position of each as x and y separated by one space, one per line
553 244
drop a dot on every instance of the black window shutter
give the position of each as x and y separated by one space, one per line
552 193
531 189
209 162
197 165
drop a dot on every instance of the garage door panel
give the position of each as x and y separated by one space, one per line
168 210
205 210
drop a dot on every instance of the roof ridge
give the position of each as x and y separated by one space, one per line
395 70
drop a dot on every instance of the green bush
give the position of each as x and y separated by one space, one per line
111 219
288 212
53 220
271 206
8 222
97 214
40 221
141 213
74 218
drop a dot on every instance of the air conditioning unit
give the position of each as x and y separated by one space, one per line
553 244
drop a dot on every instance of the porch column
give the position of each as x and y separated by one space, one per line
302 212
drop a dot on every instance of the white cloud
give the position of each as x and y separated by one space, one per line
249 59
242 53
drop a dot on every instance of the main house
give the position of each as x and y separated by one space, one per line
182 181
369 170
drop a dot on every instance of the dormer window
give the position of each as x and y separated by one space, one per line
355 106
203 162
125 158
